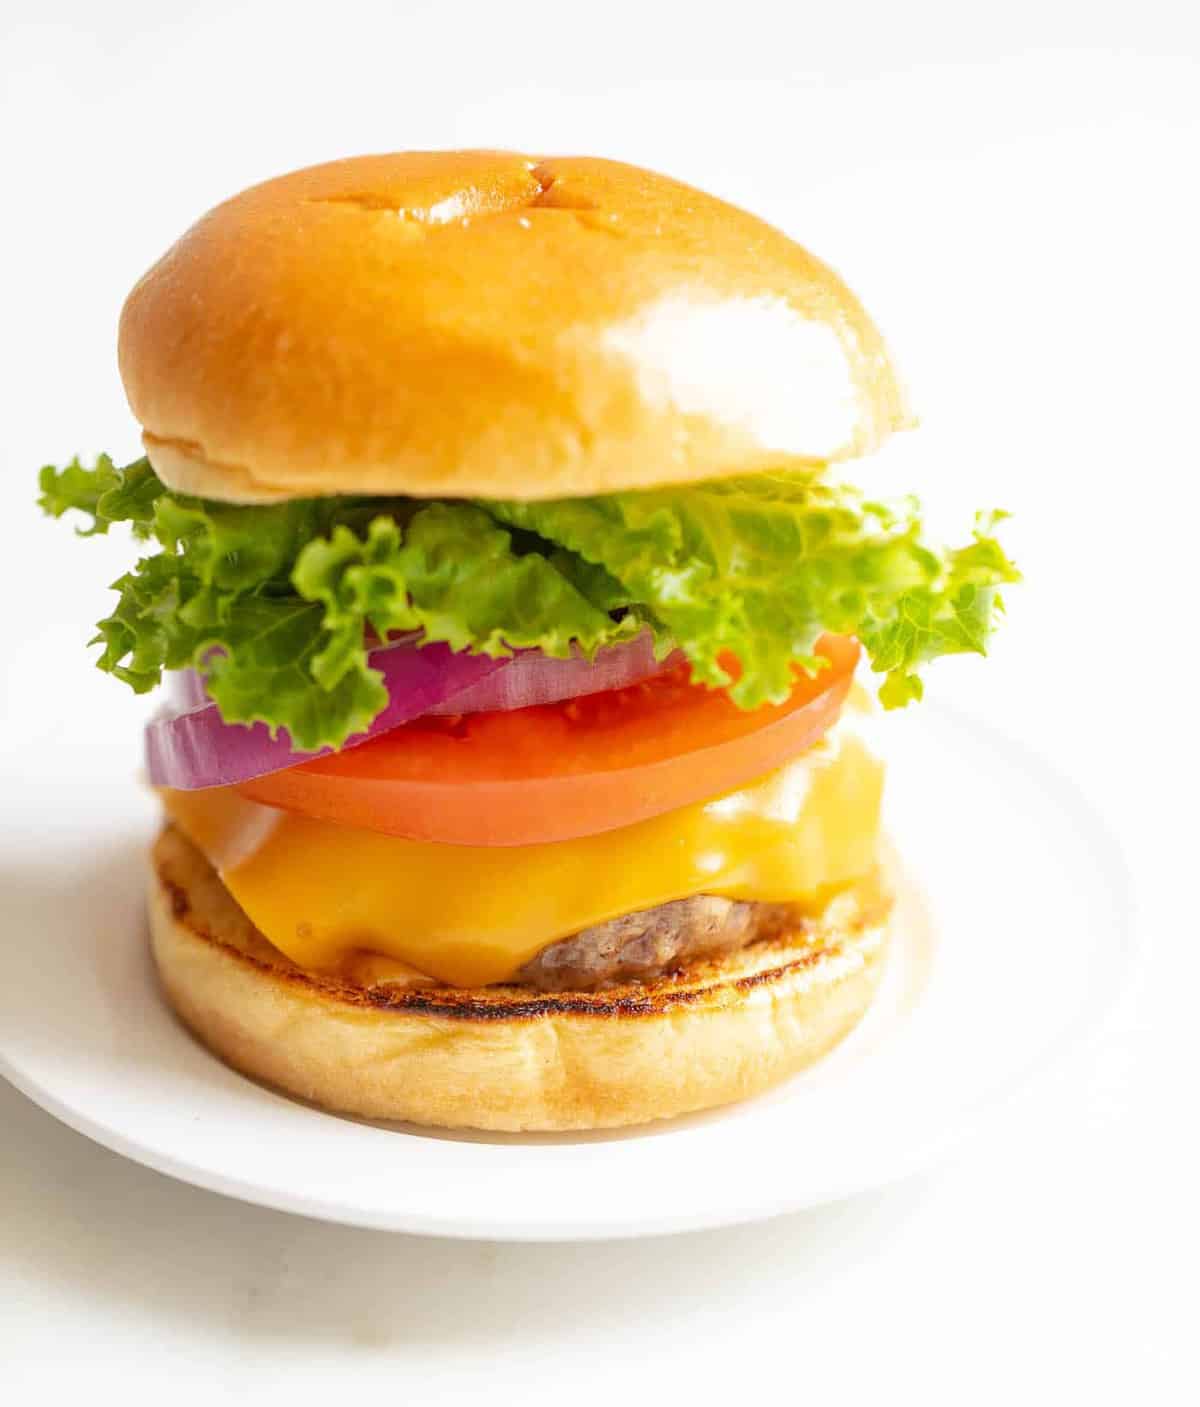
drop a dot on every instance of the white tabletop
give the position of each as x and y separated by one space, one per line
1013 193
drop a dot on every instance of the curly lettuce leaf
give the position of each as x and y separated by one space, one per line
73 486
758 568
272 604
276 604
452 573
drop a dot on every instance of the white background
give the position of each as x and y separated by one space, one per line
1012 189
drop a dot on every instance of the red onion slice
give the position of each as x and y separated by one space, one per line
185 690
533 678
189 745
196 748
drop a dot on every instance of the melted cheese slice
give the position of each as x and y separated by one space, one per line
326 895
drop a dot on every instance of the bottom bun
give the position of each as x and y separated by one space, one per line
510 1058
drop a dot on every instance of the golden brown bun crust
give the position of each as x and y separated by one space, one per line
483 323
507 1058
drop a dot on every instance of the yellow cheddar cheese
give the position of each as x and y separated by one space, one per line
326 895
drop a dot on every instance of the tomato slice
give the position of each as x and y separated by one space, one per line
557 771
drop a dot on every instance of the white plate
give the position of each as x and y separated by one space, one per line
1014 949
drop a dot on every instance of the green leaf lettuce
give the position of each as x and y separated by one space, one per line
276 605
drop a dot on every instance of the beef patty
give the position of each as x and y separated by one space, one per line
645 945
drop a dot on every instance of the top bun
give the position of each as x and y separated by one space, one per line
487 324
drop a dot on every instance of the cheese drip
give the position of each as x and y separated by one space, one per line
326 895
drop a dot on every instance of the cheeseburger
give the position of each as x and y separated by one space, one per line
512 762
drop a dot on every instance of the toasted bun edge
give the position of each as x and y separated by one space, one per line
506 1059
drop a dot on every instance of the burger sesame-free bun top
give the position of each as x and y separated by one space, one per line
489 324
